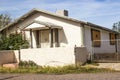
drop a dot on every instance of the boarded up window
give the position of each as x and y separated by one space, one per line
96 37
112 39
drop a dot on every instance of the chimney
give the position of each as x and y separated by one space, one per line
62 12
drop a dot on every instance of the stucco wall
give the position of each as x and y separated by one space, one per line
46 56
55 56
8 56
88 41
81 55
49 56
105 43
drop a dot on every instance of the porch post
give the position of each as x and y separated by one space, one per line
31 38
51 37
56 38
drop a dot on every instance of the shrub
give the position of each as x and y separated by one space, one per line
13 42
27 64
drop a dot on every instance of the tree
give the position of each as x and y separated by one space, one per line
116 26
5 19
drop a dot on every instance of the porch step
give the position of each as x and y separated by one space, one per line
11 65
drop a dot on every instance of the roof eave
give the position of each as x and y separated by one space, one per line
101 27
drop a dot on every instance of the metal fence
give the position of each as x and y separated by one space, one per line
106 51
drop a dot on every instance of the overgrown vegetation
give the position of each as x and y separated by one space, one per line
31 67
13 42
27 64
91 63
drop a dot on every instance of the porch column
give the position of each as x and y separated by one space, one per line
56 38
82 35
38 38
51 37
31 38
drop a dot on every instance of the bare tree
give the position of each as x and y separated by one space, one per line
116 26
5 19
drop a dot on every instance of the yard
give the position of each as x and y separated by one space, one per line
31 67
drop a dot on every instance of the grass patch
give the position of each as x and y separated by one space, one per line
32 67
55 70
92 63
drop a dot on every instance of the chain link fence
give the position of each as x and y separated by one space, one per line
106 51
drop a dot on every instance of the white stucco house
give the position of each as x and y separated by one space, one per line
46 30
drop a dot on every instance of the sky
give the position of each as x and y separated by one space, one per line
100 12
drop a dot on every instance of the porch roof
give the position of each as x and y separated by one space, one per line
40 25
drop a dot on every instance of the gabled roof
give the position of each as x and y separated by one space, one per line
56 15
41 11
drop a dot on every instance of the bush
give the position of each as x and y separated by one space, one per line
13 42
26 64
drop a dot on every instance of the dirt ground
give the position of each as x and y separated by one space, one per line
82 76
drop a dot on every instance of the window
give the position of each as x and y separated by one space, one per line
112 39
96 37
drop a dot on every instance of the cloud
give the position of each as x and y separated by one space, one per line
91 10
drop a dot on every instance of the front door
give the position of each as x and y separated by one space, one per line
44 38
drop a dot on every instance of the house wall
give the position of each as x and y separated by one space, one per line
70 35
105 43
88 41
66 34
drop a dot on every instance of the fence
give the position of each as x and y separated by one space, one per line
106 50
59 56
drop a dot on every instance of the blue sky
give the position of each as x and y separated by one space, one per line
101 12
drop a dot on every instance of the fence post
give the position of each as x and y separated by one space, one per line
91 55
19 53
116 51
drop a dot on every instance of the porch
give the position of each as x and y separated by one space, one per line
42 34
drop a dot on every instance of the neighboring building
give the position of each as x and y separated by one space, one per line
49 30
